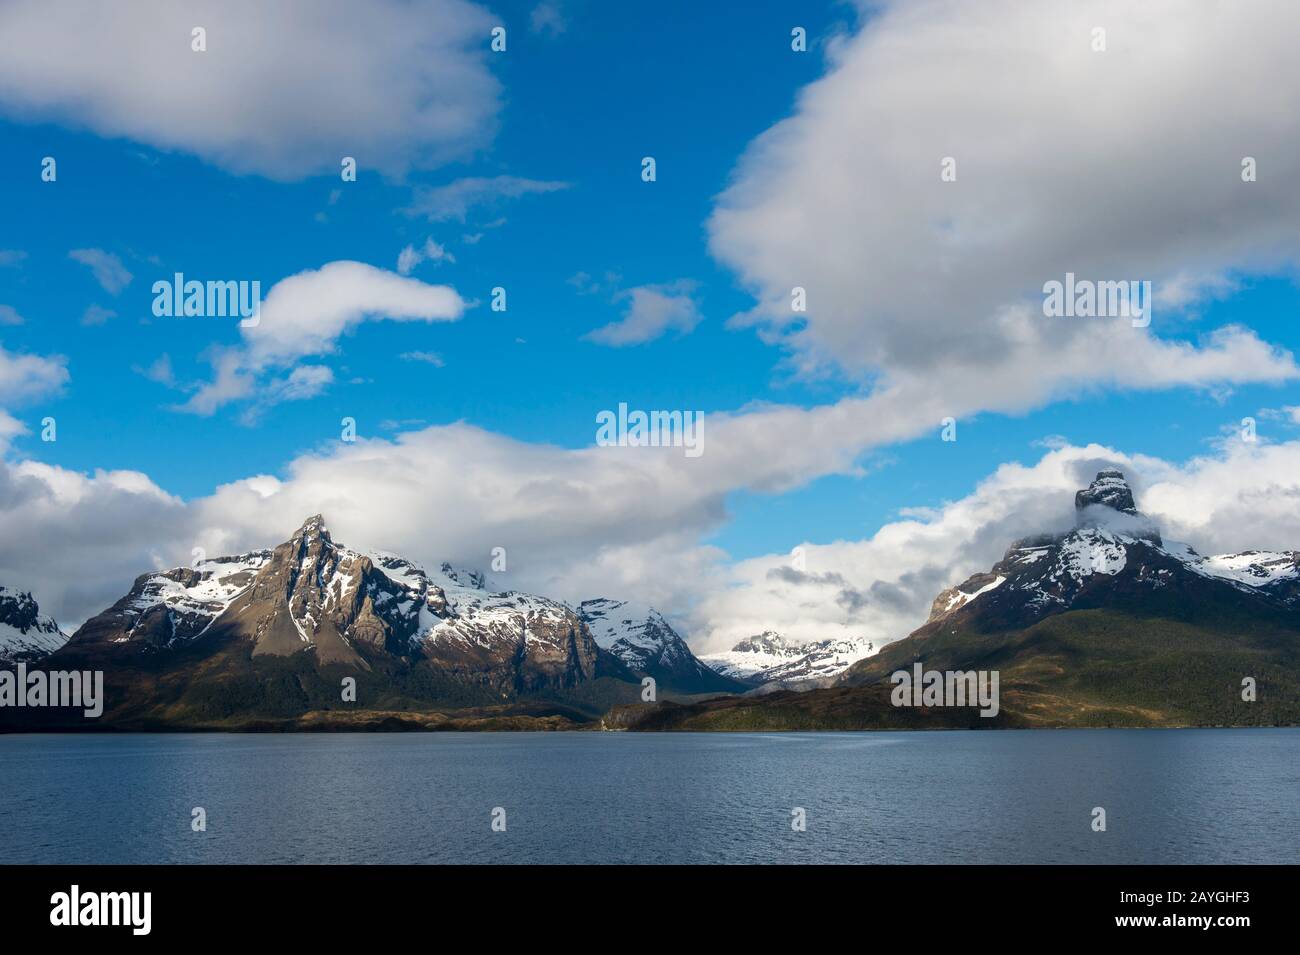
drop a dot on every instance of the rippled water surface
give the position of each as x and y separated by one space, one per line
1004 796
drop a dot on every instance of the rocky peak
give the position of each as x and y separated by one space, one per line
1107 503
769 641
1108 489
25 633
19 609
313 535
646 643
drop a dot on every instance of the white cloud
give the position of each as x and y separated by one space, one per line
305 315
454 200
284 91
10 428
410 257
25 377
77 541
933 284
107 268
161 371
302 383
652 310
9 315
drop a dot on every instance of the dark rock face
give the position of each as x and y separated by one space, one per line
1109 489
310 595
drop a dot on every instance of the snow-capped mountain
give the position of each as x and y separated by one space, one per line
312 595
26 634
173 607
1110 624
770 661
1112 548
648 645
1274 573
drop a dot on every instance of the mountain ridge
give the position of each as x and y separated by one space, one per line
270 635
767 661
1106 624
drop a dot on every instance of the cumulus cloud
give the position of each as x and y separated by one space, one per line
75 540
1123 164
25 377
283 91
10 428
652 311
454 200
9 315
305 315
107 268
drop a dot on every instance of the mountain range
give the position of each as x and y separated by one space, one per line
768 662
265 639
1106 624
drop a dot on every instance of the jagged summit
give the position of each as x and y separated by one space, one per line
1108 489
25 632
769 641
1107 504
312 528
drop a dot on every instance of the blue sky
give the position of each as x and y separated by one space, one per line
692 98
693 85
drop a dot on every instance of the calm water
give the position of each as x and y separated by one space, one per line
1170 796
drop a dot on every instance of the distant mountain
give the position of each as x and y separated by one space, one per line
1113 557
1105 625
770 662
648 645
25 633
270 635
